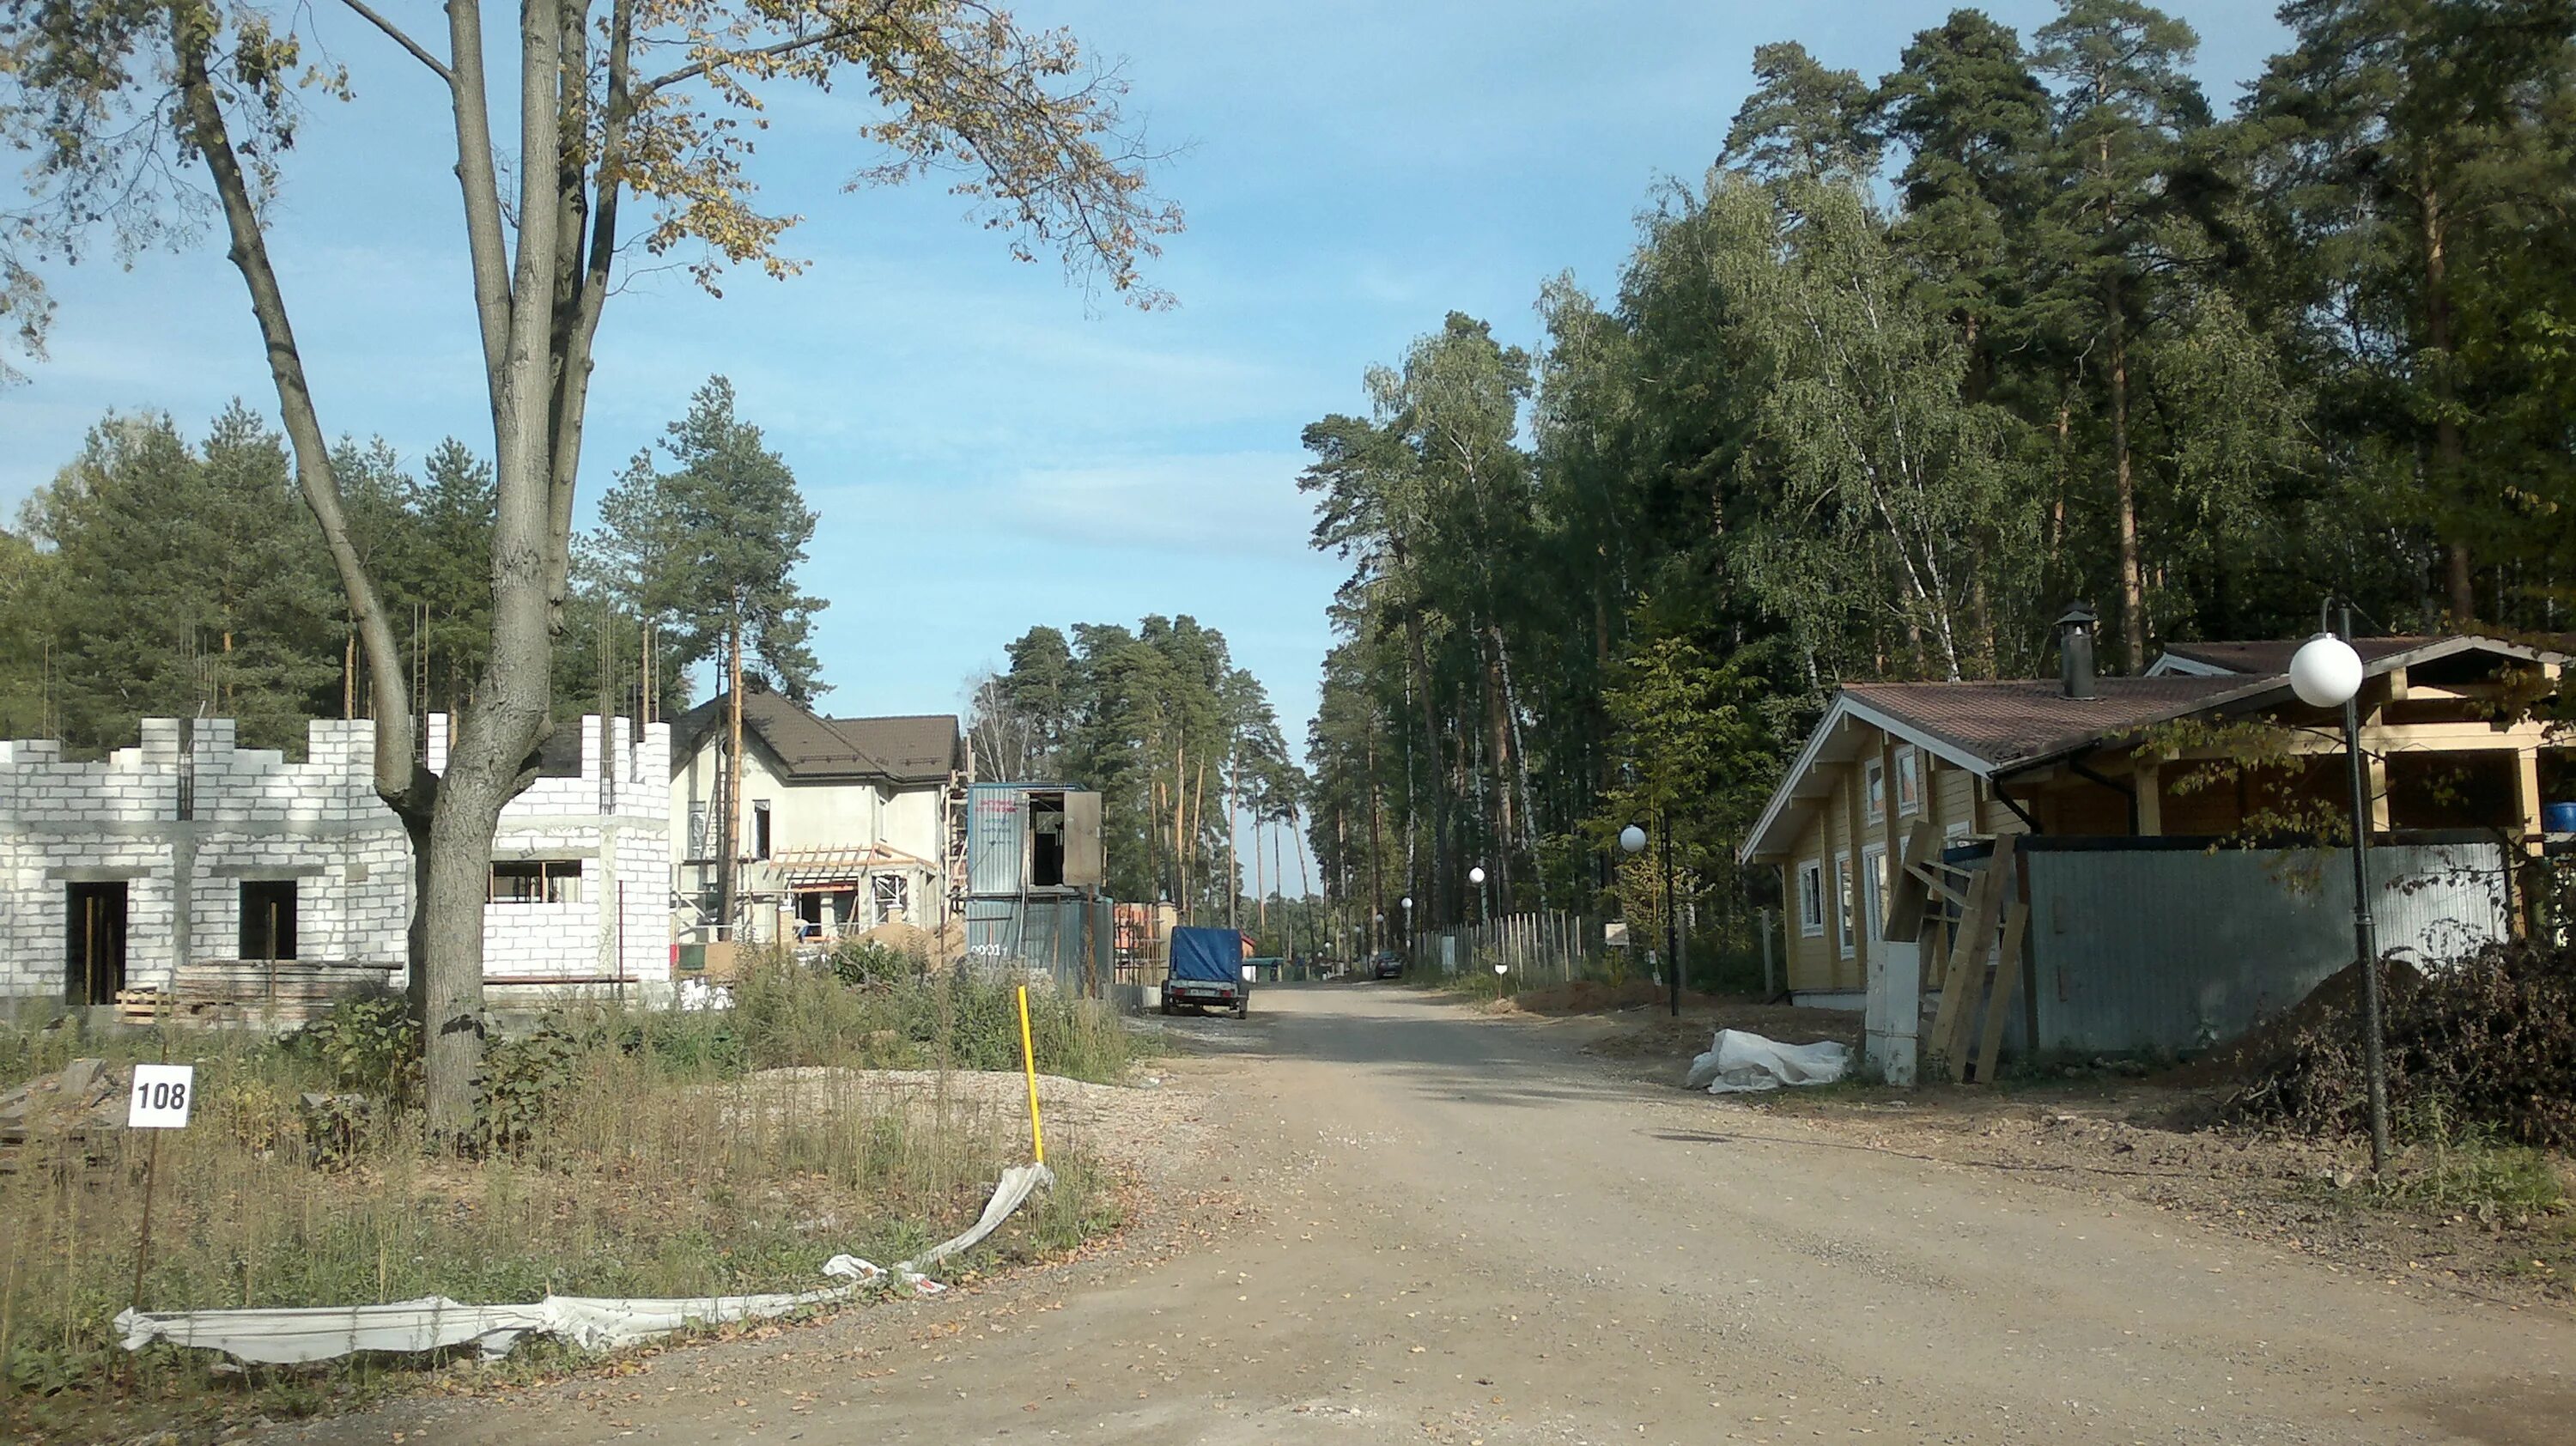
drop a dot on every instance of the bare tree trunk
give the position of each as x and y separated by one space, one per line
2449 449
1427 712
1503 821
1520 756
2133 593
1376 844
729 832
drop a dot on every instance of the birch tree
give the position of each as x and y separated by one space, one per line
592 133
1887 476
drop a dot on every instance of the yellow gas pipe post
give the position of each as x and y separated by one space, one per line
1029 1062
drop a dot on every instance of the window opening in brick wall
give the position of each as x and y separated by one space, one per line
267 919
536 881
760 828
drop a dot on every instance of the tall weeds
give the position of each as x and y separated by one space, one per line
623 1152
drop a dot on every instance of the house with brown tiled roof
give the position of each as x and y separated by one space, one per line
841 824
2157 920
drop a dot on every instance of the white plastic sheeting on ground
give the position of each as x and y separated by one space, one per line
320 1333
1738 1062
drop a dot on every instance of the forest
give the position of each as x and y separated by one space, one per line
164 575
1178 740
1918 362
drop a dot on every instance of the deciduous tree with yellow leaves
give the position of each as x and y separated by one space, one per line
146 121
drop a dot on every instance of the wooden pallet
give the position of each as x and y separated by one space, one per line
237 991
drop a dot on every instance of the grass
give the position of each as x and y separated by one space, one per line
2468 1167
632 1155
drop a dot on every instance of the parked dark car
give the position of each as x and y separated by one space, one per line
1388 964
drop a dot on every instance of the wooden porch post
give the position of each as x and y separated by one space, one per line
1855 786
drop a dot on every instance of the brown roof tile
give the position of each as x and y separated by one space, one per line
2268 657
2006 723
921 748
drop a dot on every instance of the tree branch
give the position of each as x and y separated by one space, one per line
400 781
783 48
476 177
394 32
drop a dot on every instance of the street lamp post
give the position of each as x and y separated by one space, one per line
2327 673
1408 926
1476 876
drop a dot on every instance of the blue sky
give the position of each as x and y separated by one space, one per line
987 448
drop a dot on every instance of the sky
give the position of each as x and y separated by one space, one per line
988 447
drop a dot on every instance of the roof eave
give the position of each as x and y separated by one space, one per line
1757 842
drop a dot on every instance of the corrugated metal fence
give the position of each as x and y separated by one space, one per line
2175 948
1044 932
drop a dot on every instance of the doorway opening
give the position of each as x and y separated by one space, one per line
1046 840
93 942
268 919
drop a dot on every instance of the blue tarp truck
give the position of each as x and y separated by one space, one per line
1207 971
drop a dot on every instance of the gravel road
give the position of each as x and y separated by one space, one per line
1457 1228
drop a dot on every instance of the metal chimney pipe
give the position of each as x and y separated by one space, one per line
2075 650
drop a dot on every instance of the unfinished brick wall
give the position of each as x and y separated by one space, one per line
194 814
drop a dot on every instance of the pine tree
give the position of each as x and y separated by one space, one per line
2128 106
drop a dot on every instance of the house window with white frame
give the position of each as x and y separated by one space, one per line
1843 901
1875 779
1909 781
892 896
1811 898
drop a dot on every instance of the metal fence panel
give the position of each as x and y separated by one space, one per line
2165 950
996 822
1043 933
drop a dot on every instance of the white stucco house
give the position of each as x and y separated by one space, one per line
843 824
188 853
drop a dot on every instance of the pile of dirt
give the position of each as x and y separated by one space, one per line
915 941
2491 1040
2276 1041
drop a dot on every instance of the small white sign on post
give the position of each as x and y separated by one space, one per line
163 1095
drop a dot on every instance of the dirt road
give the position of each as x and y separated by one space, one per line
1461 1229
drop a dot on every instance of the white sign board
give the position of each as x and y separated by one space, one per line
163 1094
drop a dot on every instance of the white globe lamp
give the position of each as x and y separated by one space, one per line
1476 876
2325 672
1632 839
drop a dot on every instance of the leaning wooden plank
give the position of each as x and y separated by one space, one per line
1967 962
1960 988
2007 983
1910 887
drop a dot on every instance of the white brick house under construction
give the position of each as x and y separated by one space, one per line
188 848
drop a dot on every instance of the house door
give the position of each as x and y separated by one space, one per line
93 942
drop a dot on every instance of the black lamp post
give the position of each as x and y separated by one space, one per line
2327 673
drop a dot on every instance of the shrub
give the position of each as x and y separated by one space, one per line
2488 1043
863 963
369 1044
